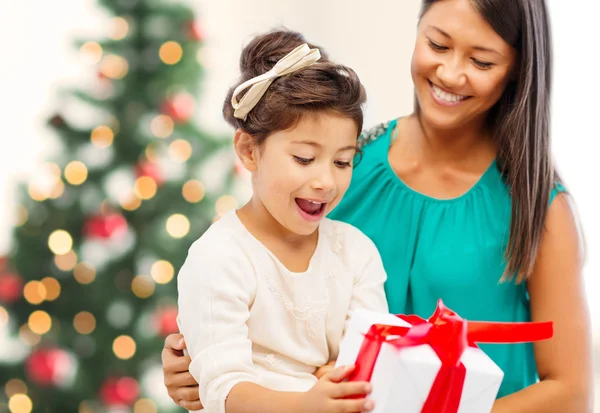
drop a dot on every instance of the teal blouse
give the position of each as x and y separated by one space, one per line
449 249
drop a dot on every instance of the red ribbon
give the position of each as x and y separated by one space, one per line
449 336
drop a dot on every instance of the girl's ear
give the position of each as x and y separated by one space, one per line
246 149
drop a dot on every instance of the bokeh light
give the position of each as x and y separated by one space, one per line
20 403
180 150
92 52
66 262
225 204
145 406
34 292
60 242
162 272
102 137
114 67
15 386
40 322
76 173
145 187
124 347
52 288
3 317
178 225
193 191
84 273
143 286
120 28
130 202
170 52
84 322
162 126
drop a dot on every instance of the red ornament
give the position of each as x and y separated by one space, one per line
195 31
165 321
180 107
150 169
106 226
121 391
11 287
57 121
49 367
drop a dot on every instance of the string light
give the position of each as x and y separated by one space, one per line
20 403
120 28
225 204
76 173
170 52
27 336
3 317
34 292
114 67
178 225
193 191
84 322
40 322
22 215
124 347
102 137
130 202
162 271
143 286
52 288
66 262
60 242
144 406
15 386
162 126
92 51
58 190
180 150
145 187
84 273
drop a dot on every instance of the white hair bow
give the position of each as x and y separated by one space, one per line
299 58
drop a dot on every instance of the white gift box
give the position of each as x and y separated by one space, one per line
402 378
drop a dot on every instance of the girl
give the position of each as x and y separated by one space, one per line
463 201
265 293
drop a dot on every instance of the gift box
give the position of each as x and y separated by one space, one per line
429 366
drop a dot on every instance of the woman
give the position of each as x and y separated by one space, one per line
464 204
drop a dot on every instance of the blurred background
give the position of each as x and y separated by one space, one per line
78 202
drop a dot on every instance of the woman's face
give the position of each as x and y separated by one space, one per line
460 65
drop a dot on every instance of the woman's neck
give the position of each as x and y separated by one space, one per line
451 146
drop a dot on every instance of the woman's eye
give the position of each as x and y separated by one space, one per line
482 65
302 161
436 46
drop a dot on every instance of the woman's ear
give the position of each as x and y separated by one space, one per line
246 149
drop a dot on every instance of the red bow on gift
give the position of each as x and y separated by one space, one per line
449 336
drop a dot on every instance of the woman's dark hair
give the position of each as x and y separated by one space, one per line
321 87
520 123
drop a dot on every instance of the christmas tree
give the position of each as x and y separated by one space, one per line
89 292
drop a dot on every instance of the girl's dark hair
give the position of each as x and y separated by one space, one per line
322 87
520 123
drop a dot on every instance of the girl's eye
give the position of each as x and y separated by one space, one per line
437 47
343 164
482 65
302 161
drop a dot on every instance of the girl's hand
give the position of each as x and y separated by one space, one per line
328 395
323 370
181 385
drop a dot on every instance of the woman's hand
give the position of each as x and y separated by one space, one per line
330 393
181 385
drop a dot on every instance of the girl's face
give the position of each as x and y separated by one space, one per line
301 174
460 65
